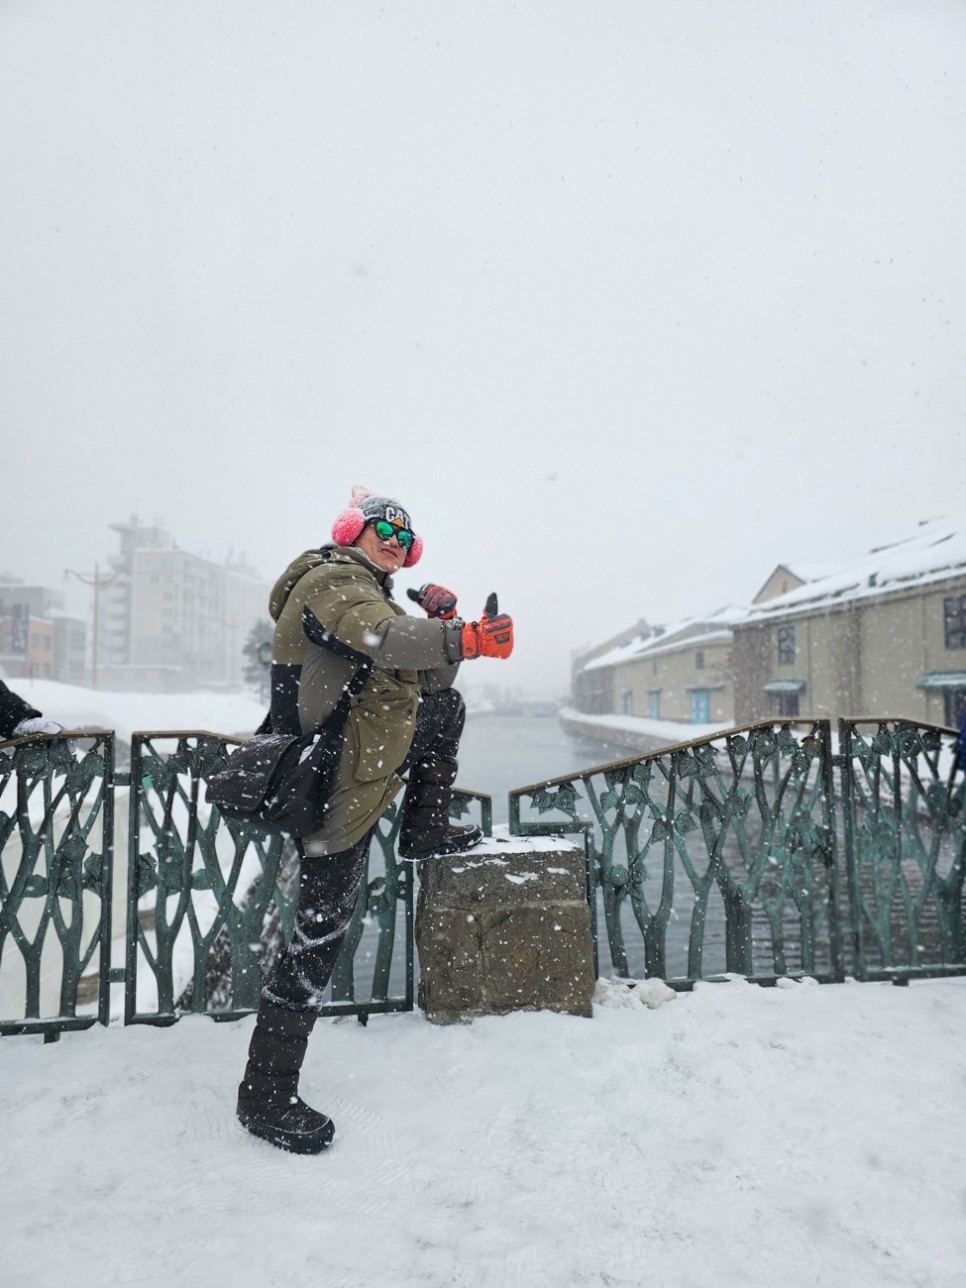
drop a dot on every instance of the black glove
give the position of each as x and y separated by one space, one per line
435 600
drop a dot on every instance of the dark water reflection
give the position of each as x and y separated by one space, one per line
499 753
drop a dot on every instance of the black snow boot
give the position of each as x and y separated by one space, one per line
425 830
268 1100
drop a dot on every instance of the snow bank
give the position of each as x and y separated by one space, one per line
80 708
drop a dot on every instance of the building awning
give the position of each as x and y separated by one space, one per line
942 680
703 688
784 686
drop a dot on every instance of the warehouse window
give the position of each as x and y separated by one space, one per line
955 619
786 645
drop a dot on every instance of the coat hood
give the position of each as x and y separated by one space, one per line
310 559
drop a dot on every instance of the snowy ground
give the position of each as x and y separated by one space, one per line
733 1136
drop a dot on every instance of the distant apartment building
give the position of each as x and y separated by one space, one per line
172 620
37 638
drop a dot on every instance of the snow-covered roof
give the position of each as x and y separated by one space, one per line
935 551
711 628
810 571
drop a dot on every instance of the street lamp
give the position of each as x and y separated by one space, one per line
97 581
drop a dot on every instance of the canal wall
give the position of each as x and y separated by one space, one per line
634 734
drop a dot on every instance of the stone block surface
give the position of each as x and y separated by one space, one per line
450 946
508 870
538 957
506 927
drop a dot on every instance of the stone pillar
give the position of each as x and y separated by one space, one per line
505 927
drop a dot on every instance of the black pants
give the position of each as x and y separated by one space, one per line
439 727
329 884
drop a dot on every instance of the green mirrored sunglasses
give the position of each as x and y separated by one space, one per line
386 530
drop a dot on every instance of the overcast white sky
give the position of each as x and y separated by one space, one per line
626 301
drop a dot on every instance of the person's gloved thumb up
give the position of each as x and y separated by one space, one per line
491 636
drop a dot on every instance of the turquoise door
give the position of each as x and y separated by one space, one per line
700 706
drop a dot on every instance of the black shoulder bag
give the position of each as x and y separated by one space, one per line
281 782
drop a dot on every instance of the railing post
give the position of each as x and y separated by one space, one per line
107 886
832 859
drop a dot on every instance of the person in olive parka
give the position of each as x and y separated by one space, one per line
407 720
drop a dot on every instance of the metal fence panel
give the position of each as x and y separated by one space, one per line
903 806
711 857
56 869
212 902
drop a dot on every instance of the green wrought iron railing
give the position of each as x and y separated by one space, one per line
904 799
212 902
209 904
770 852
776 850
712 857
56 879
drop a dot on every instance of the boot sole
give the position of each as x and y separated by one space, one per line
439 851
295 1142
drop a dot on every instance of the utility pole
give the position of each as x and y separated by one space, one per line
97 581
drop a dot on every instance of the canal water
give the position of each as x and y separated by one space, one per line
499 753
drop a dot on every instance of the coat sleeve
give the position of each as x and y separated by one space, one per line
12 711
404 643
411 644
358 613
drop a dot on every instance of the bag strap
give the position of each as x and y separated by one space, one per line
316 632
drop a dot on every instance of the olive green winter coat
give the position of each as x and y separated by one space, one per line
352 599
